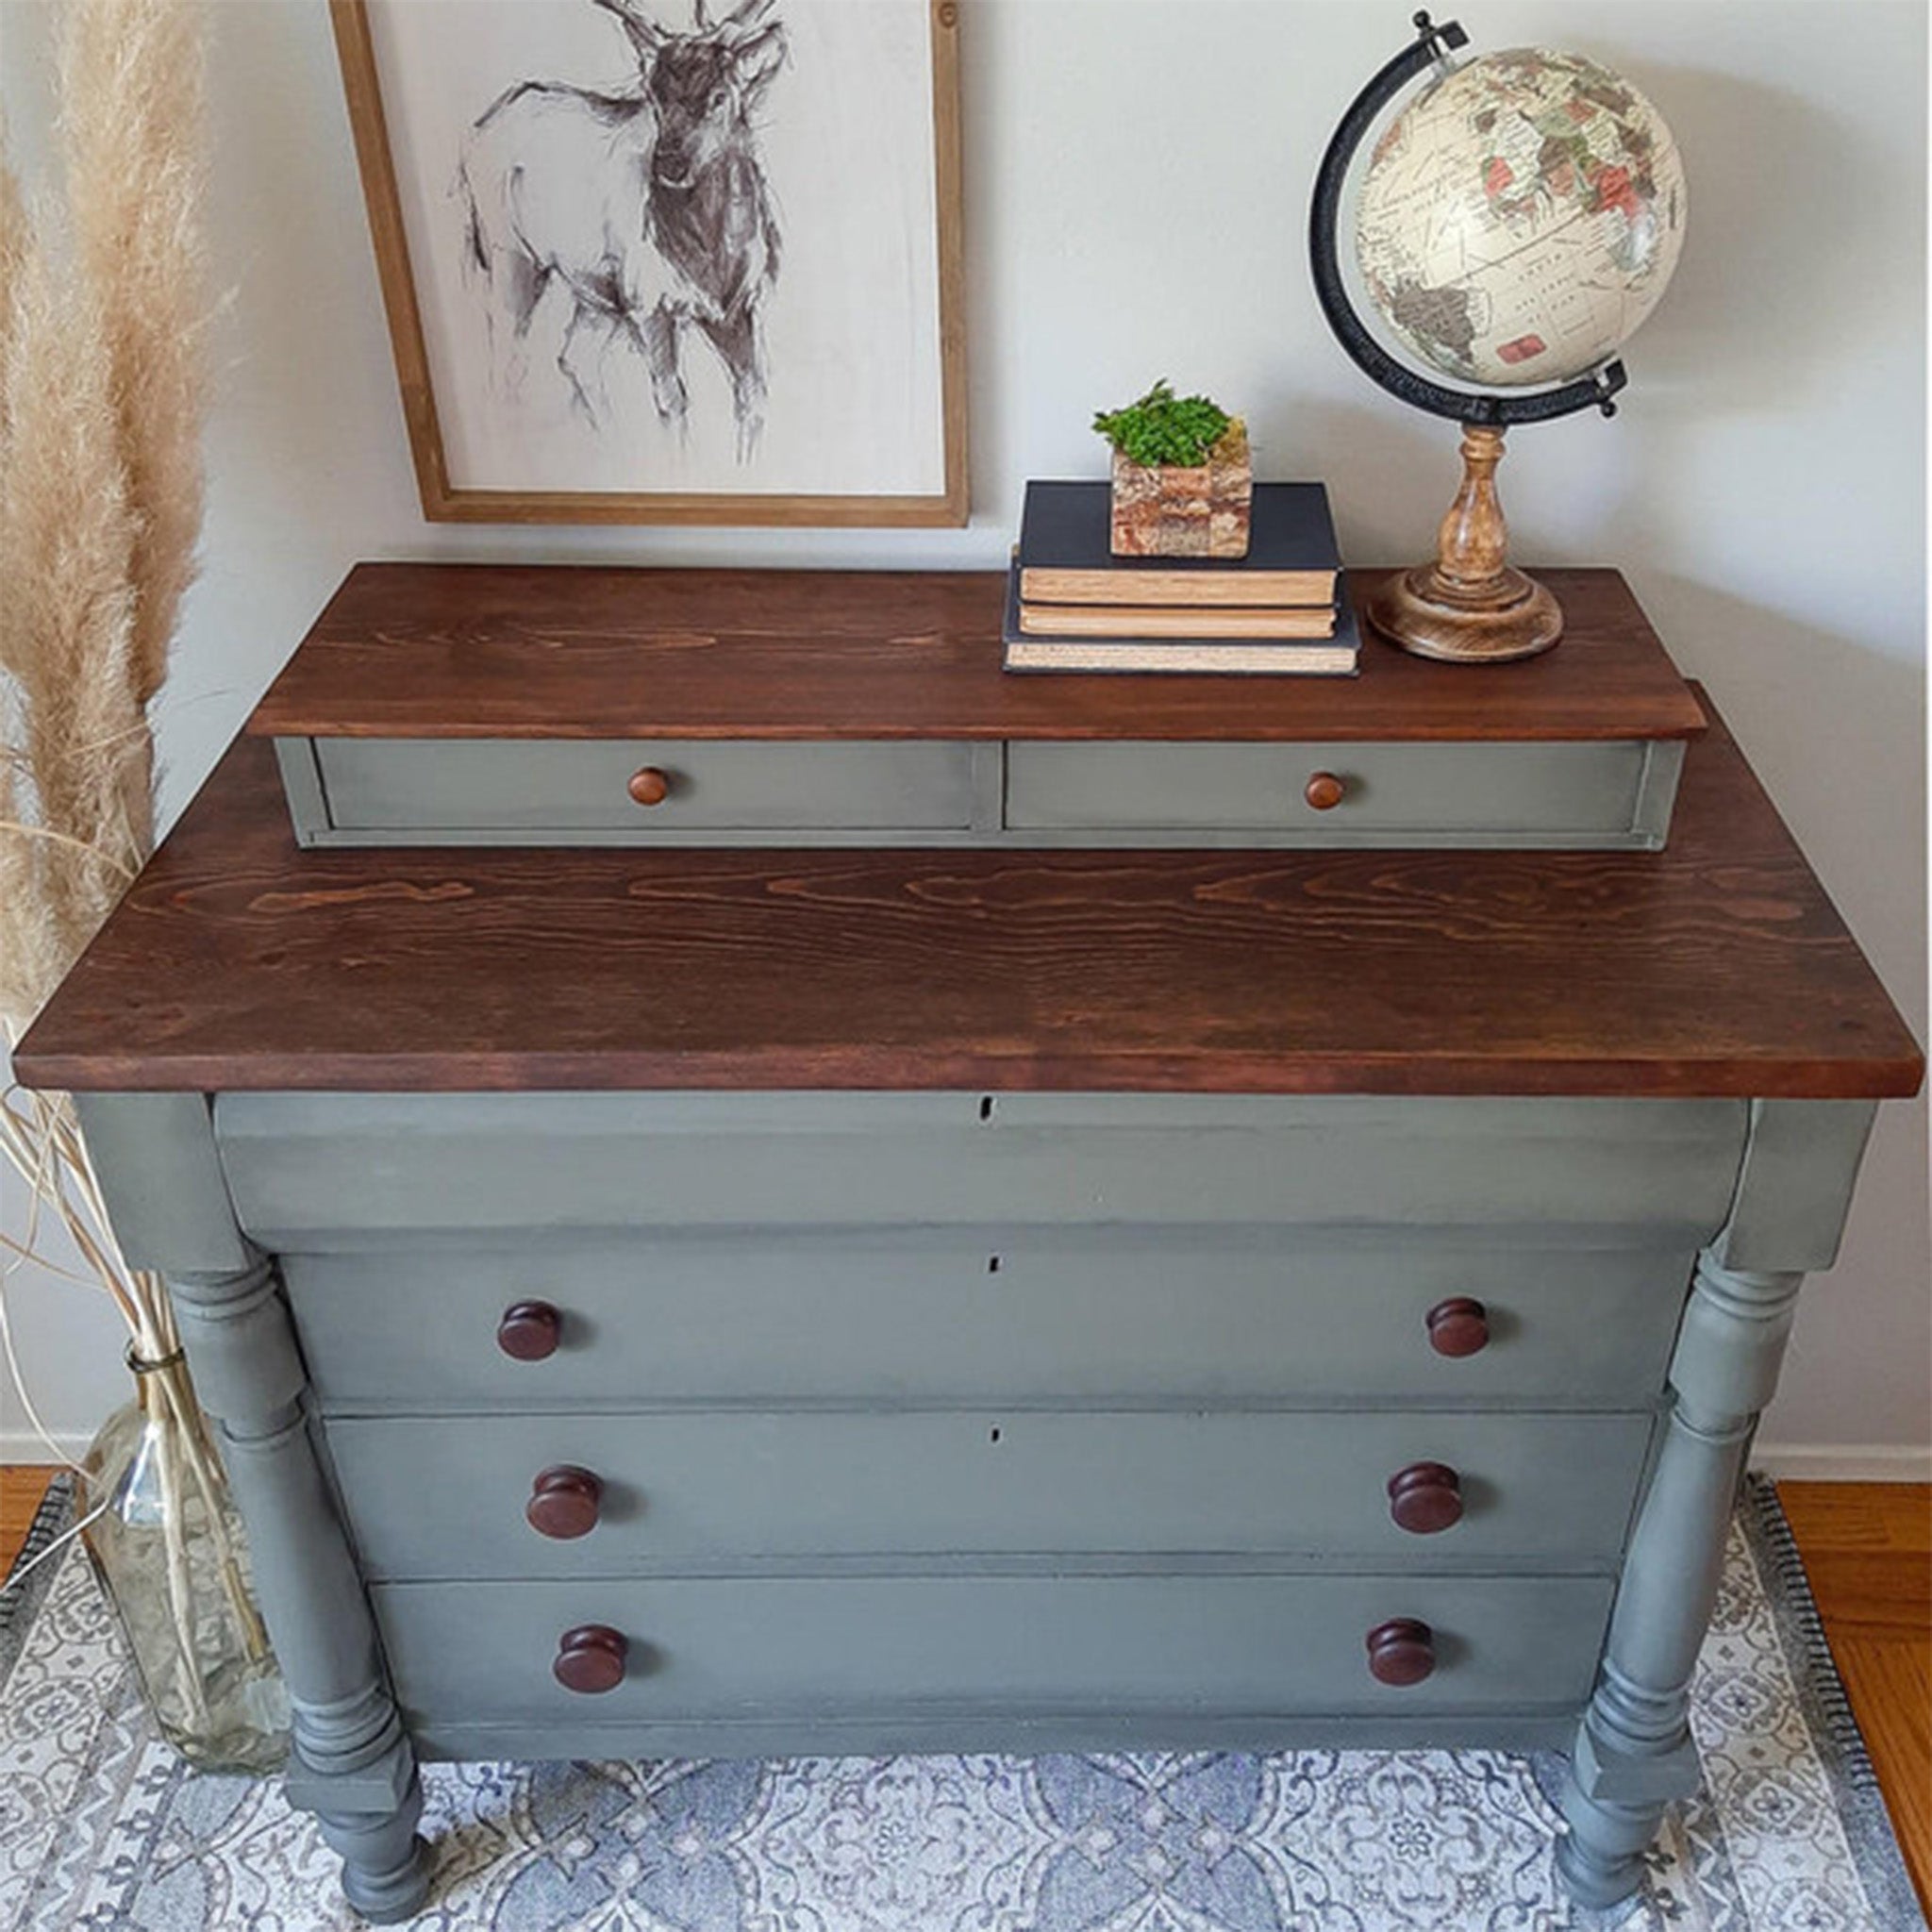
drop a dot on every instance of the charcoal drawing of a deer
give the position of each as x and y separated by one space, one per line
649 210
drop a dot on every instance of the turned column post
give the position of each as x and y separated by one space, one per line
351 1763
1634 1750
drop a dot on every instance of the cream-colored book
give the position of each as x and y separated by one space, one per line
1136 621
1082 654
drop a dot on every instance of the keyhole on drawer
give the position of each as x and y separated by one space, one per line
992 1435
992 1264
986 1104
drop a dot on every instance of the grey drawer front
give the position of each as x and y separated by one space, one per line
1016 1316
1615 794
888 1732
516 785
444 1498
315 1170
1510 794
780 1646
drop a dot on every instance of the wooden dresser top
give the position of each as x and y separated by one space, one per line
417 650
1717 967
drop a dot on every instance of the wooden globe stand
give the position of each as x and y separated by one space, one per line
1470 605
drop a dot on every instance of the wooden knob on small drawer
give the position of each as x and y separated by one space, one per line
1458 1326
563 1502
1324 791
1402 1651
649 786
1425 1497
590 1658
529 1330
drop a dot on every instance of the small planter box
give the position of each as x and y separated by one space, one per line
1199 511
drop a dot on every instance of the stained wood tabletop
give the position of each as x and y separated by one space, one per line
425 650
1716 967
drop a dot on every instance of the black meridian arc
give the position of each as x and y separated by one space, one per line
1592 392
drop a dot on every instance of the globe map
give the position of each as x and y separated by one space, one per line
1520 217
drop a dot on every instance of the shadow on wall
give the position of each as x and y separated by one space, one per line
1817 706
1756 314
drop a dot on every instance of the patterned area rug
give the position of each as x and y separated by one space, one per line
102 1829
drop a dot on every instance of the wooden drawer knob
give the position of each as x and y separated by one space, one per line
564 1502
649 786
1425 1497
1402 1651
529 1330
1458 1326
590 1658
1324 791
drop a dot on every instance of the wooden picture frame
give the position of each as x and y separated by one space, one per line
554 359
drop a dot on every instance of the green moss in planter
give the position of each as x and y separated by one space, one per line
1163 431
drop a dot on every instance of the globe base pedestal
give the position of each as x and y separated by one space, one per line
1424 611
1469 606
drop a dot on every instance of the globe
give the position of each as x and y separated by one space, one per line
1520 218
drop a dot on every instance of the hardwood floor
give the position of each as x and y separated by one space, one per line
1868 1550
21 1487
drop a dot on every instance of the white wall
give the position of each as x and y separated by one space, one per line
1762 487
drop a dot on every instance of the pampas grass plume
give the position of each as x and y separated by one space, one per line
103 328
131 120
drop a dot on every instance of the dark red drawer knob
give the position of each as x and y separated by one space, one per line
590 1658
529 1330
1458 1326
1425 1497
1402 1651
563 1501
1324 791
650 786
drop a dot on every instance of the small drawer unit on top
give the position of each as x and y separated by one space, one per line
1271 1277
448 703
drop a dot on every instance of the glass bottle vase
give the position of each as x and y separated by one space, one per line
172 1557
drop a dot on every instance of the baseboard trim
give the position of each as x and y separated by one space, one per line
1846 1462
23 1445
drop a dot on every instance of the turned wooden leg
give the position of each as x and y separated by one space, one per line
353 1765
1633 1751
161 1171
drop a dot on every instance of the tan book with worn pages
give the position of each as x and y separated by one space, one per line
1130 621
1083 654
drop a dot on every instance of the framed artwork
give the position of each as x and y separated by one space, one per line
690 262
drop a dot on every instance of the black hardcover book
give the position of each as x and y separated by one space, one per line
1065 558
1330 657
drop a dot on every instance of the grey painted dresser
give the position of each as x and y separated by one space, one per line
748 1184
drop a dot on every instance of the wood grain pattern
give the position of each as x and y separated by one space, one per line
1867 1549
1867 1552
363 94
443 502
22 1485
414 650
1470 605
1718 967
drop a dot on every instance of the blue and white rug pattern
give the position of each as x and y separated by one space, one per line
102 1830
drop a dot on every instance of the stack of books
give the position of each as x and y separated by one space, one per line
1071 605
